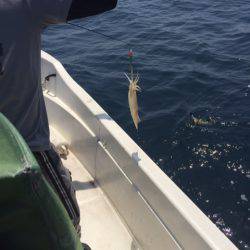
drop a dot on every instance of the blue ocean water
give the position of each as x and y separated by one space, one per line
192 56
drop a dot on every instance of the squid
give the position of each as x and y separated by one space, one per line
132 97
201 122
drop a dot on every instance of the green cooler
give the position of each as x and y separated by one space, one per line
31 215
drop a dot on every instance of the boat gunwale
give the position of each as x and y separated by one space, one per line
190 213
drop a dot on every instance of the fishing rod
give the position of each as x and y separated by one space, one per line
97 32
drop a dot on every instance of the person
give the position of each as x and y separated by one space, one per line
21 97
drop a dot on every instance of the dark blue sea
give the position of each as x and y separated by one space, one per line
192 56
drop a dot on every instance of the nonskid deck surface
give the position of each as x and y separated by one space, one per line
101 226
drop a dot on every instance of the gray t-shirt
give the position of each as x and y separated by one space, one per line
21 98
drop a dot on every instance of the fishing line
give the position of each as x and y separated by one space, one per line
99 33
130 53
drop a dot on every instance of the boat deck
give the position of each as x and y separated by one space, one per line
101 226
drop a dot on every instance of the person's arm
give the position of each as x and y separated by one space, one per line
84 8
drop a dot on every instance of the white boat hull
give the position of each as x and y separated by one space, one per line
154 211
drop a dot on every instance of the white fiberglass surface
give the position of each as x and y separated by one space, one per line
78 116
101 227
